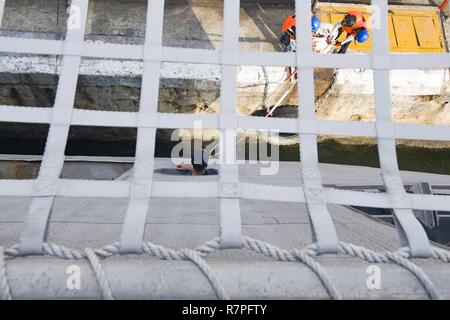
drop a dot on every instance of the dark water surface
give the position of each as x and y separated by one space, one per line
330 151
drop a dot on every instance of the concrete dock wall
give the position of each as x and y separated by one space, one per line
115 85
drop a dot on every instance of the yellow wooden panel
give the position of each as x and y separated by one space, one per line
392 39
324 17
335 18
409 29
405 32
426 32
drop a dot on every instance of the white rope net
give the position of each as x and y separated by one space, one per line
228 189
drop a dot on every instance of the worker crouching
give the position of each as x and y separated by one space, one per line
354 25
288 38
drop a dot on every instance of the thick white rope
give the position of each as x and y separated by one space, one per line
5 290
376 257
320 272
436 253
207 271
418 273
99 273
192 255
304 255
161 252
209 247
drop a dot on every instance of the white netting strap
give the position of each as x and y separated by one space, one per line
410 231
208 272
2 7
122 119
141 186
46 184
322 227
99 273
230 212
5 290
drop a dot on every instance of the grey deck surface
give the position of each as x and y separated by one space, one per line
181 223
177 223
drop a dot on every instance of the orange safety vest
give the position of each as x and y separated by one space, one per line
359 23
288 24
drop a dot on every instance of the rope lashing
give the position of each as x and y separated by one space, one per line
99 273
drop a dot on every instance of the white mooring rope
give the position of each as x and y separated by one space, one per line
99 273
305 255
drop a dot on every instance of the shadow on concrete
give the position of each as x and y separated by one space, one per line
182 27
120 22
267 20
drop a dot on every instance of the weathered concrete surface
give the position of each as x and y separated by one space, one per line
418 96
119 21
115 85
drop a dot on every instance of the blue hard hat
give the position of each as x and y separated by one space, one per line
362 36
315 23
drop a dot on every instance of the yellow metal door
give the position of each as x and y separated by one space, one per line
405 33
393 45
410 30
427 33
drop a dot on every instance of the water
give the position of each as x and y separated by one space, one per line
330 151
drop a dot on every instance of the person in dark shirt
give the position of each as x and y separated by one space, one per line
198 165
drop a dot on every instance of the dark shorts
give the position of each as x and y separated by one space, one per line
286 41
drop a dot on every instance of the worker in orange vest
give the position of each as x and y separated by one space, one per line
354 24
288 28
